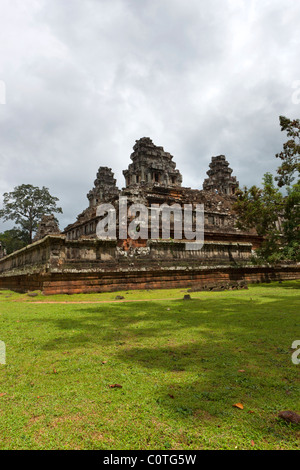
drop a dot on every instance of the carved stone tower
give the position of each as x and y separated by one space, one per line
105 188
219 177
151 165
47 226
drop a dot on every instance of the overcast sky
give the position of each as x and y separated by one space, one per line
85 79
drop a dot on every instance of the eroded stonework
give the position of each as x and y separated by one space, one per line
219 177
76 260
105 187
152 178
47 226
151 165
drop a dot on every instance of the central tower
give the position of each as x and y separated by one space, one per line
151 165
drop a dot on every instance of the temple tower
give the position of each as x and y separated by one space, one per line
151 165
47 226
219 177
105 187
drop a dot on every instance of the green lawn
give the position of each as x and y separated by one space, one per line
182 365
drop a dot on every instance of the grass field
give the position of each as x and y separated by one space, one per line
180 366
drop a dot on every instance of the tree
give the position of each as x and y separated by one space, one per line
26 205
291 223
290 154
287 172
13 240
274 216
261 209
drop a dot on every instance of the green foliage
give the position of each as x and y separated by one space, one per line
290 156
274 216
26 205
13 240
291 222
259 209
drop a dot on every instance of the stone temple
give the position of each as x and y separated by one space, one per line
76 260
152 178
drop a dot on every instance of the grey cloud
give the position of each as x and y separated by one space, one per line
86 79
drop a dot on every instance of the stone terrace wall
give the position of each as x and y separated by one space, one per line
201 278
56 265
56 253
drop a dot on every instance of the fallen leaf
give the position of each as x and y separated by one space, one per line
54 371
115 386
241 370
239 405
252 443
2 394
104 362
170 395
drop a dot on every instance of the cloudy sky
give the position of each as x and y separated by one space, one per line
84 79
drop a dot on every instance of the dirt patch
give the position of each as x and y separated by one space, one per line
96 301
204 415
